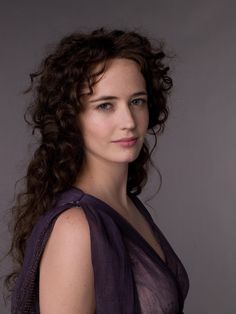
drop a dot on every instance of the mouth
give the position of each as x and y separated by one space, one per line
127 143
130 139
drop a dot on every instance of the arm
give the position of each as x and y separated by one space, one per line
66 283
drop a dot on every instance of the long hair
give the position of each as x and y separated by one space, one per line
56 88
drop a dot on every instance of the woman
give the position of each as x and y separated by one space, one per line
83 241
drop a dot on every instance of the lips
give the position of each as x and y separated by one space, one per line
127 139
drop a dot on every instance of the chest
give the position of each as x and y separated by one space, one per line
142 226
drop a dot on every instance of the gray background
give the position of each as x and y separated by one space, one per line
196 155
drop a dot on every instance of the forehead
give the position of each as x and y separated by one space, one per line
120 76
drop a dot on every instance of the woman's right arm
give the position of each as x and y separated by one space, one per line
66 283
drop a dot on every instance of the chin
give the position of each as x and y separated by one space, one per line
130 158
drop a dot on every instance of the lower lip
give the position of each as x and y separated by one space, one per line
127 143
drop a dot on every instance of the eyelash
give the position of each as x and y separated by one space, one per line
101 106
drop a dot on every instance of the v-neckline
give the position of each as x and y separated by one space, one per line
134 233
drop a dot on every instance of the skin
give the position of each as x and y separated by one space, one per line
106 168
66 283
66 280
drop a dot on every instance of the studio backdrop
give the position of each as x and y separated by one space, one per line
196 155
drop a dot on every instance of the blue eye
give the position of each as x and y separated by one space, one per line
107 106
139 101
103 106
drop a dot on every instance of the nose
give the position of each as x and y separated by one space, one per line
127 118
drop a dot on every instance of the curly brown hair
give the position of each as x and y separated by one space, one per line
57 87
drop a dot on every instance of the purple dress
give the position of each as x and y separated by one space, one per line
129 276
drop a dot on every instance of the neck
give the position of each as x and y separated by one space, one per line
107 181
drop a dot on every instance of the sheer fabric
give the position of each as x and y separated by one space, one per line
129 276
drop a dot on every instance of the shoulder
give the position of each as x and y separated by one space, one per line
71 229
66 272
72 220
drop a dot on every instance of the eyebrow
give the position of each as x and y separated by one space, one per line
113 97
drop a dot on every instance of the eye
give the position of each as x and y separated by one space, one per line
103 107
139 101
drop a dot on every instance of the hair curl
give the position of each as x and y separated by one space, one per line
57 87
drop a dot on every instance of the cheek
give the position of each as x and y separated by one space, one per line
96 129
144 120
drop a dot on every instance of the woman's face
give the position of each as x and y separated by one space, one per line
117 109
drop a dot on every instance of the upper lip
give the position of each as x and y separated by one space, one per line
126 139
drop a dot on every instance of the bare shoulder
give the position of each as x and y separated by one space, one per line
66 272
72 220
